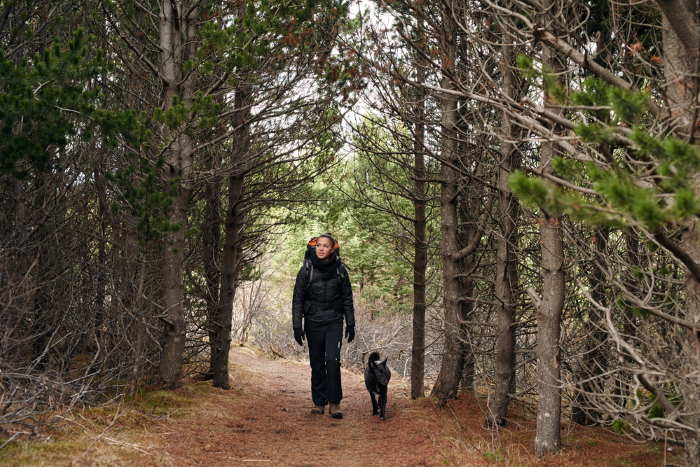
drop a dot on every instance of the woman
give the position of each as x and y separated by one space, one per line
323 298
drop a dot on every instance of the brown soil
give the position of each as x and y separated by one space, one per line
266 420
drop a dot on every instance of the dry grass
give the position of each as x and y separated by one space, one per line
462 426
144 429
118 433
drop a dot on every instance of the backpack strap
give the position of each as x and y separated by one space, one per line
309 268
341 271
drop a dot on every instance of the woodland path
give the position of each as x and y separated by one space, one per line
265 420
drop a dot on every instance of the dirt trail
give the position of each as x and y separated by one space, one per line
266 420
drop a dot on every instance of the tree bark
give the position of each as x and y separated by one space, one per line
230 265
174 28
506 262
467 375
420 261
467 379
549 312
468 228
681 44
101 279
44 274
447 382
211 253
548 437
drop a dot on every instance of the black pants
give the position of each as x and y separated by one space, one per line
324 341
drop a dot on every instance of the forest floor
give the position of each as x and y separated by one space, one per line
265 420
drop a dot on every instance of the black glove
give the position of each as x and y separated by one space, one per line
350 333
299 336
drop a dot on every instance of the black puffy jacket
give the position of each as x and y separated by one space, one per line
324 297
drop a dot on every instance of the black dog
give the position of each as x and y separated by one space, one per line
377 376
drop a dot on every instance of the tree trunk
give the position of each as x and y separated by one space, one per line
101 279
230 265
468 378
420 262
506 262
139 328
681 45
44 273
468 218
547 439
690 384
447 382
174 28
221 325
467 375
211 253
174 343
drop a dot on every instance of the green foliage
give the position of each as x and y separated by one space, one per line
678 161
526 66
629 106
619 426
129 125
544 75
47 102
655 411
551 83
648 146
372 240
494 457
620 196
532 191
685 204
593 132
147 198
535 193
42 102
620 191
594 92
639 312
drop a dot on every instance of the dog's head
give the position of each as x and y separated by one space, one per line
380 370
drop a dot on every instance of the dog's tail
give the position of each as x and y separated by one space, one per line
373 357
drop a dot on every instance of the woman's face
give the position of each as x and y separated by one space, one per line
323 247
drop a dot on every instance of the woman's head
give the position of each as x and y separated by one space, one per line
325 245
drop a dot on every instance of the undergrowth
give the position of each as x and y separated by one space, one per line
116 432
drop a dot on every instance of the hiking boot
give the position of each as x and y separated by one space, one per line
334 410
318 409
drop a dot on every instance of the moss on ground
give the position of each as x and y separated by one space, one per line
106 434
41 453
161 402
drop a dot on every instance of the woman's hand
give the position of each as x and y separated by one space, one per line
299 336
350 333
